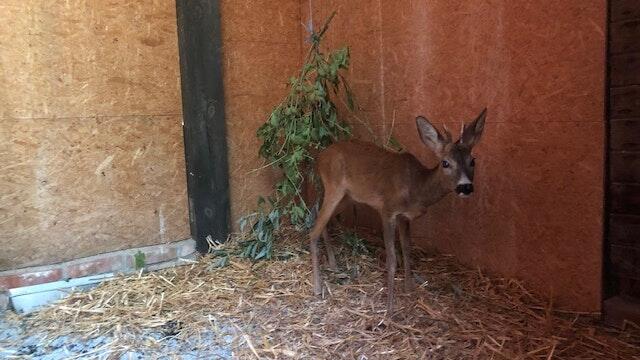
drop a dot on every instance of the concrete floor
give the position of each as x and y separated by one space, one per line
17 341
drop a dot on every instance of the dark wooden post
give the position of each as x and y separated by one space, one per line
622 236
204 127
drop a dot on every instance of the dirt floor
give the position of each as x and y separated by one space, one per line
266 310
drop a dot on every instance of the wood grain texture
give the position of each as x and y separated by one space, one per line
538 207
629 287
625 102
625 69
623 36
624 198
91 150
262 49
624 10
624 135
625 261
622 247
74 188
624 167
205 131
624 230
81 58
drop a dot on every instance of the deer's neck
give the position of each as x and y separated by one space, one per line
433 186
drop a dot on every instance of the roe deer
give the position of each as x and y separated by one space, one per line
397 185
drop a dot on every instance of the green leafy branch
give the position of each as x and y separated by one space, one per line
305 122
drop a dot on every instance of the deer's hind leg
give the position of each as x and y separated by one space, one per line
389 229
332 197
328 240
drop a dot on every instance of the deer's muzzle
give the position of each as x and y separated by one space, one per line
464 189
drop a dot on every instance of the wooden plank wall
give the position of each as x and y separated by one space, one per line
623 273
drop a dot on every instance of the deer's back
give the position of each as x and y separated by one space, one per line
368 173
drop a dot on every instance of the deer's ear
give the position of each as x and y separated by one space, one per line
473 131
430 136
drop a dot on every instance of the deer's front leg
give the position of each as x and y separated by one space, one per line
389 230
405 244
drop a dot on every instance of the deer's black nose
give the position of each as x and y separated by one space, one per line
465 189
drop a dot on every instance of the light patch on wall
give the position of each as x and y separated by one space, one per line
161 223
136 155
104 164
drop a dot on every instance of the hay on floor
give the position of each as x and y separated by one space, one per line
456 313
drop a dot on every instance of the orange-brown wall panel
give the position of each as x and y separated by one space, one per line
539 68
262 50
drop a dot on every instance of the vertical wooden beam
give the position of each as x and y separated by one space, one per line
204 127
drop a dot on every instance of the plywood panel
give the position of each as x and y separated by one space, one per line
261 21
82 58
357 24
539 67
90 130
262 50
74 188
523 220
539 195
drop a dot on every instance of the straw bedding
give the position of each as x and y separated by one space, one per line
268 308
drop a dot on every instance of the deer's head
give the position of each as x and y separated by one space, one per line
456 161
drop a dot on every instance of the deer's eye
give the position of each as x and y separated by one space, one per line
445 164
473 162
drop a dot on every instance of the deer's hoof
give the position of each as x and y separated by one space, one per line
389 311
332 264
